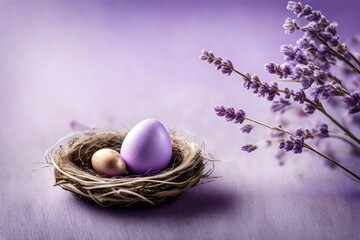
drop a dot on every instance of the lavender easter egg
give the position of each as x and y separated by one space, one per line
147 148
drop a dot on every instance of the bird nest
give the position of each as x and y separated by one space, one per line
74 172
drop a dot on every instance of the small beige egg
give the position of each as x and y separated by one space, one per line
108 162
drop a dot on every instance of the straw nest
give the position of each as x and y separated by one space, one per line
73 171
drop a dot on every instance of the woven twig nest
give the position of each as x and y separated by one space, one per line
74 172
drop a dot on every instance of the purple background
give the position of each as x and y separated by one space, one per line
115 63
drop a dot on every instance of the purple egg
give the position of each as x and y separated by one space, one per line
147 148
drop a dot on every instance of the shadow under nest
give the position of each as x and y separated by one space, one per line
74 172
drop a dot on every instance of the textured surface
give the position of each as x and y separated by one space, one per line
115 63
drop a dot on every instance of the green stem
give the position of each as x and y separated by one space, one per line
333 161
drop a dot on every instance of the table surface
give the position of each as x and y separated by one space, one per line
115 63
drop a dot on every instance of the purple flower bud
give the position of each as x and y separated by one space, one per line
293 144
240 116
311 30
247 76
282 144
290 26
300 57
326 36
202 57
256 83
206 56
227 67
247 84
295 7
318 92
298 145
217 63
308 108
300 96
288 93
224 65
353 102
306 82
322 23
252 82
314 16
303 133
329 89
270 91
289 145
249 147
306 11
273 91
288 51
299 132
247 128
230 114
306 45
286 69
334 41
274 69
220 110
307 70
322 131
332 29
280 106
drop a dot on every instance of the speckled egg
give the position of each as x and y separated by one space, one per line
109 162
147 148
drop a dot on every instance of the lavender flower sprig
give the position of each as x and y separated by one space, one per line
263 89
320 28
309 63
295 142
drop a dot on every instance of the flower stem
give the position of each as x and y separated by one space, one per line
346 131
288 80
333 161
354 58
347 141
308 147
269 127
321 108
334 64
341 57
354 68
318 106
240 73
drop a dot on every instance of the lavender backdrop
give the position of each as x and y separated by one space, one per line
115 63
